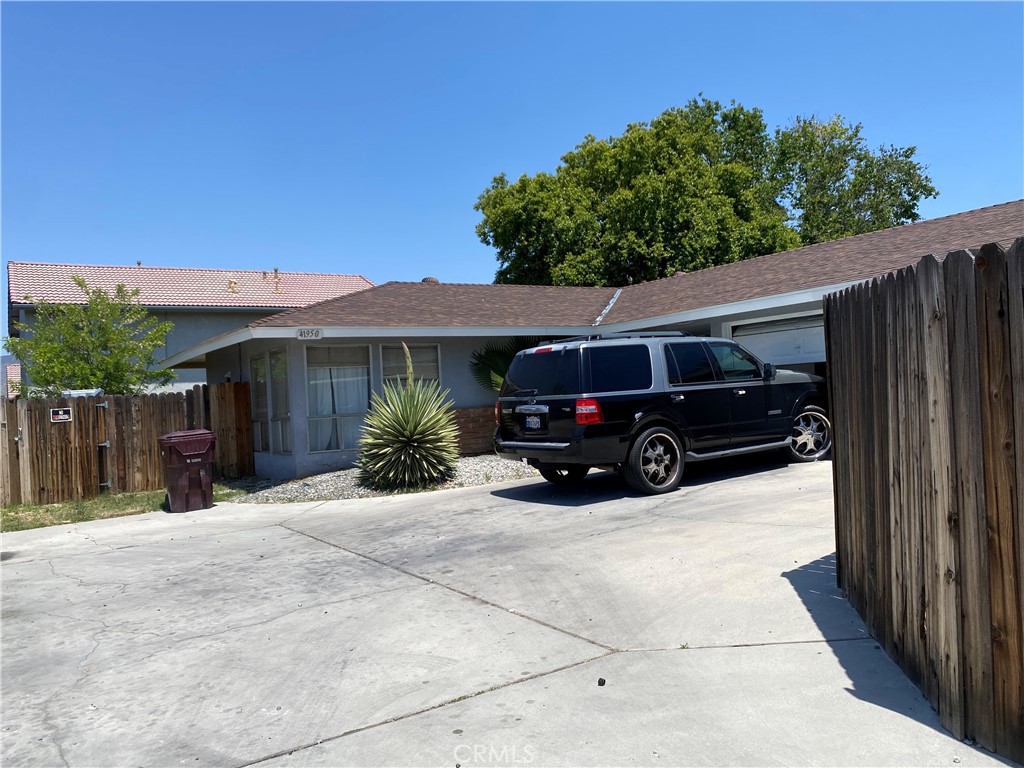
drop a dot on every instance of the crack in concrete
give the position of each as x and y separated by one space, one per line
457 591
431 708
766 644
475 694
77 530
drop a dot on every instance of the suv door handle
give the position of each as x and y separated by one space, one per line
678 398
739 392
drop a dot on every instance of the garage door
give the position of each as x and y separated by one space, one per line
785 342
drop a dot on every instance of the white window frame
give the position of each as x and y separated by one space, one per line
341 416
437 349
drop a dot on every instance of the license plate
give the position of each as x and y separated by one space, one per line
533 422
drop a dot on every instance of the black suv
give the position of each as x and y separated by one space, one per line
644 403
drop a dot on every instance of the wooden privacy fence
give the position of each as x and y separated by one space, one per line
109 443
927 392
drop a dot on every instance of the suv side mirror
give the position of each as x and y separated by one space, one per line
769 371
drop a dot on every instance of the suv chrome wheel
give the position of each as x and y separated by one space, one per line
812 435
655 463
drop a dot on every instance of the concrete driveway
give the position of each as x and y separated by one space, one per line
515 624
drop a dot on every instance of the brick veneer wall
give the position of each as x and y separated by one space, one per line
476 430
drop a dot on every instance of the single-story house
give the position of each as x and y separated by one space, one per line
200 302
312 369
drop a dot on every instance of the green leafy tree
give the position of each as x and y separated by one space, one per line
108 342
696 187
834 186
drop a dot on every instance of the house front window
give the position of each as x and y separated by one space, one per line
271 416
338 382
426 363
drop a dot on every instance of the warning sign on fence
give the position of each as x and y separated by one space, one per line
60 414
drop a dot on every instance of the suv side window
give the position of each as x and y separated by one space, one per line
735 362
688 364
620 368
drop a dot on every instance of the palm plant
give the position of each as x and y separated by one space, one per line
410 439
490 364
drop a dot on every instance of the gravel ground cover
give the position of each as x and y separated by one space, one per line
471 470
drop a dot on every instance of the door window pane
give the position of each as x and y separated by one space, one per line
260 421
280 410
736 362
688 364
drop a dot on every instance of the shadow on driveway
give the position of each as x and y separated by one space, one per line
874 677
602 486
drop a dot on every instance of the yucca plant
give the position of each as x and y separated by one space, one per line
410 439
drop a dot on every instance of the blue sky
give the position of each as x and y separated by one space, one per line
356 137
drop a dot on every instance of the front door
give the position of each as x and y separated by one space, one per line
748 395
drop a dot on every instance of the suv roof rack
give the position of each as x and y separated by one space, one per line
619 335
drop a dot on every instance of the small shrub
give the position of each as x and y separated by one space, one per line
410 439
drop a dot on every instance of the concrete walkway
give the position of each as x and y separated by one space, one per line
516 624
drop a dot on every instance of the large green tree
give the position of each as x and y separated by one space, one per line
697 186
108 342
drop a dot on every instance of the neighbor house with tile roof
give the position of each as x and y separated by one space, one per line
312 369
199 302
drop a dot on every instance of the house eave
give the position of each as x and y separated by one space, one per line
196 354
761 304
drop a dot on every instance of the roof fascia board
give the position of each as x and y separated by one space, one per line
347 332
733 308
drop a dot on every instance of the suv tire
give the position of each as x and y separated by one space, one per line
812 435
655 462
563 474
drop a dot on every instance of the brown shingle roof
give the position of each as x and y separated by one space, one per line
815 266
177 287
498 306
431 305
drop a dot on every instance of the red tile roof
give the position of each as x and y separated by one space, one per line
12 372
177 287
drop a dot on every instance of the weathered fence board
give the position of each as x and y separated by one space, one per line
111 442
927 377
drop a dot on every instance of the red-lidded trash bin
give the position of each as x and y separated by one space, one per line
188 468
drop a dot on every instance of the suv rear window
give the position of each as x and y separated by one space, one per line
545 373
620 368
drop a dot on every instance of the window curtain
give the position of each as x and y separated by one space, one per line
336 391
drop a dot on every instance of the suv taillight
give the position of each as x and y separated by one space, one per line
497 412
588 412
